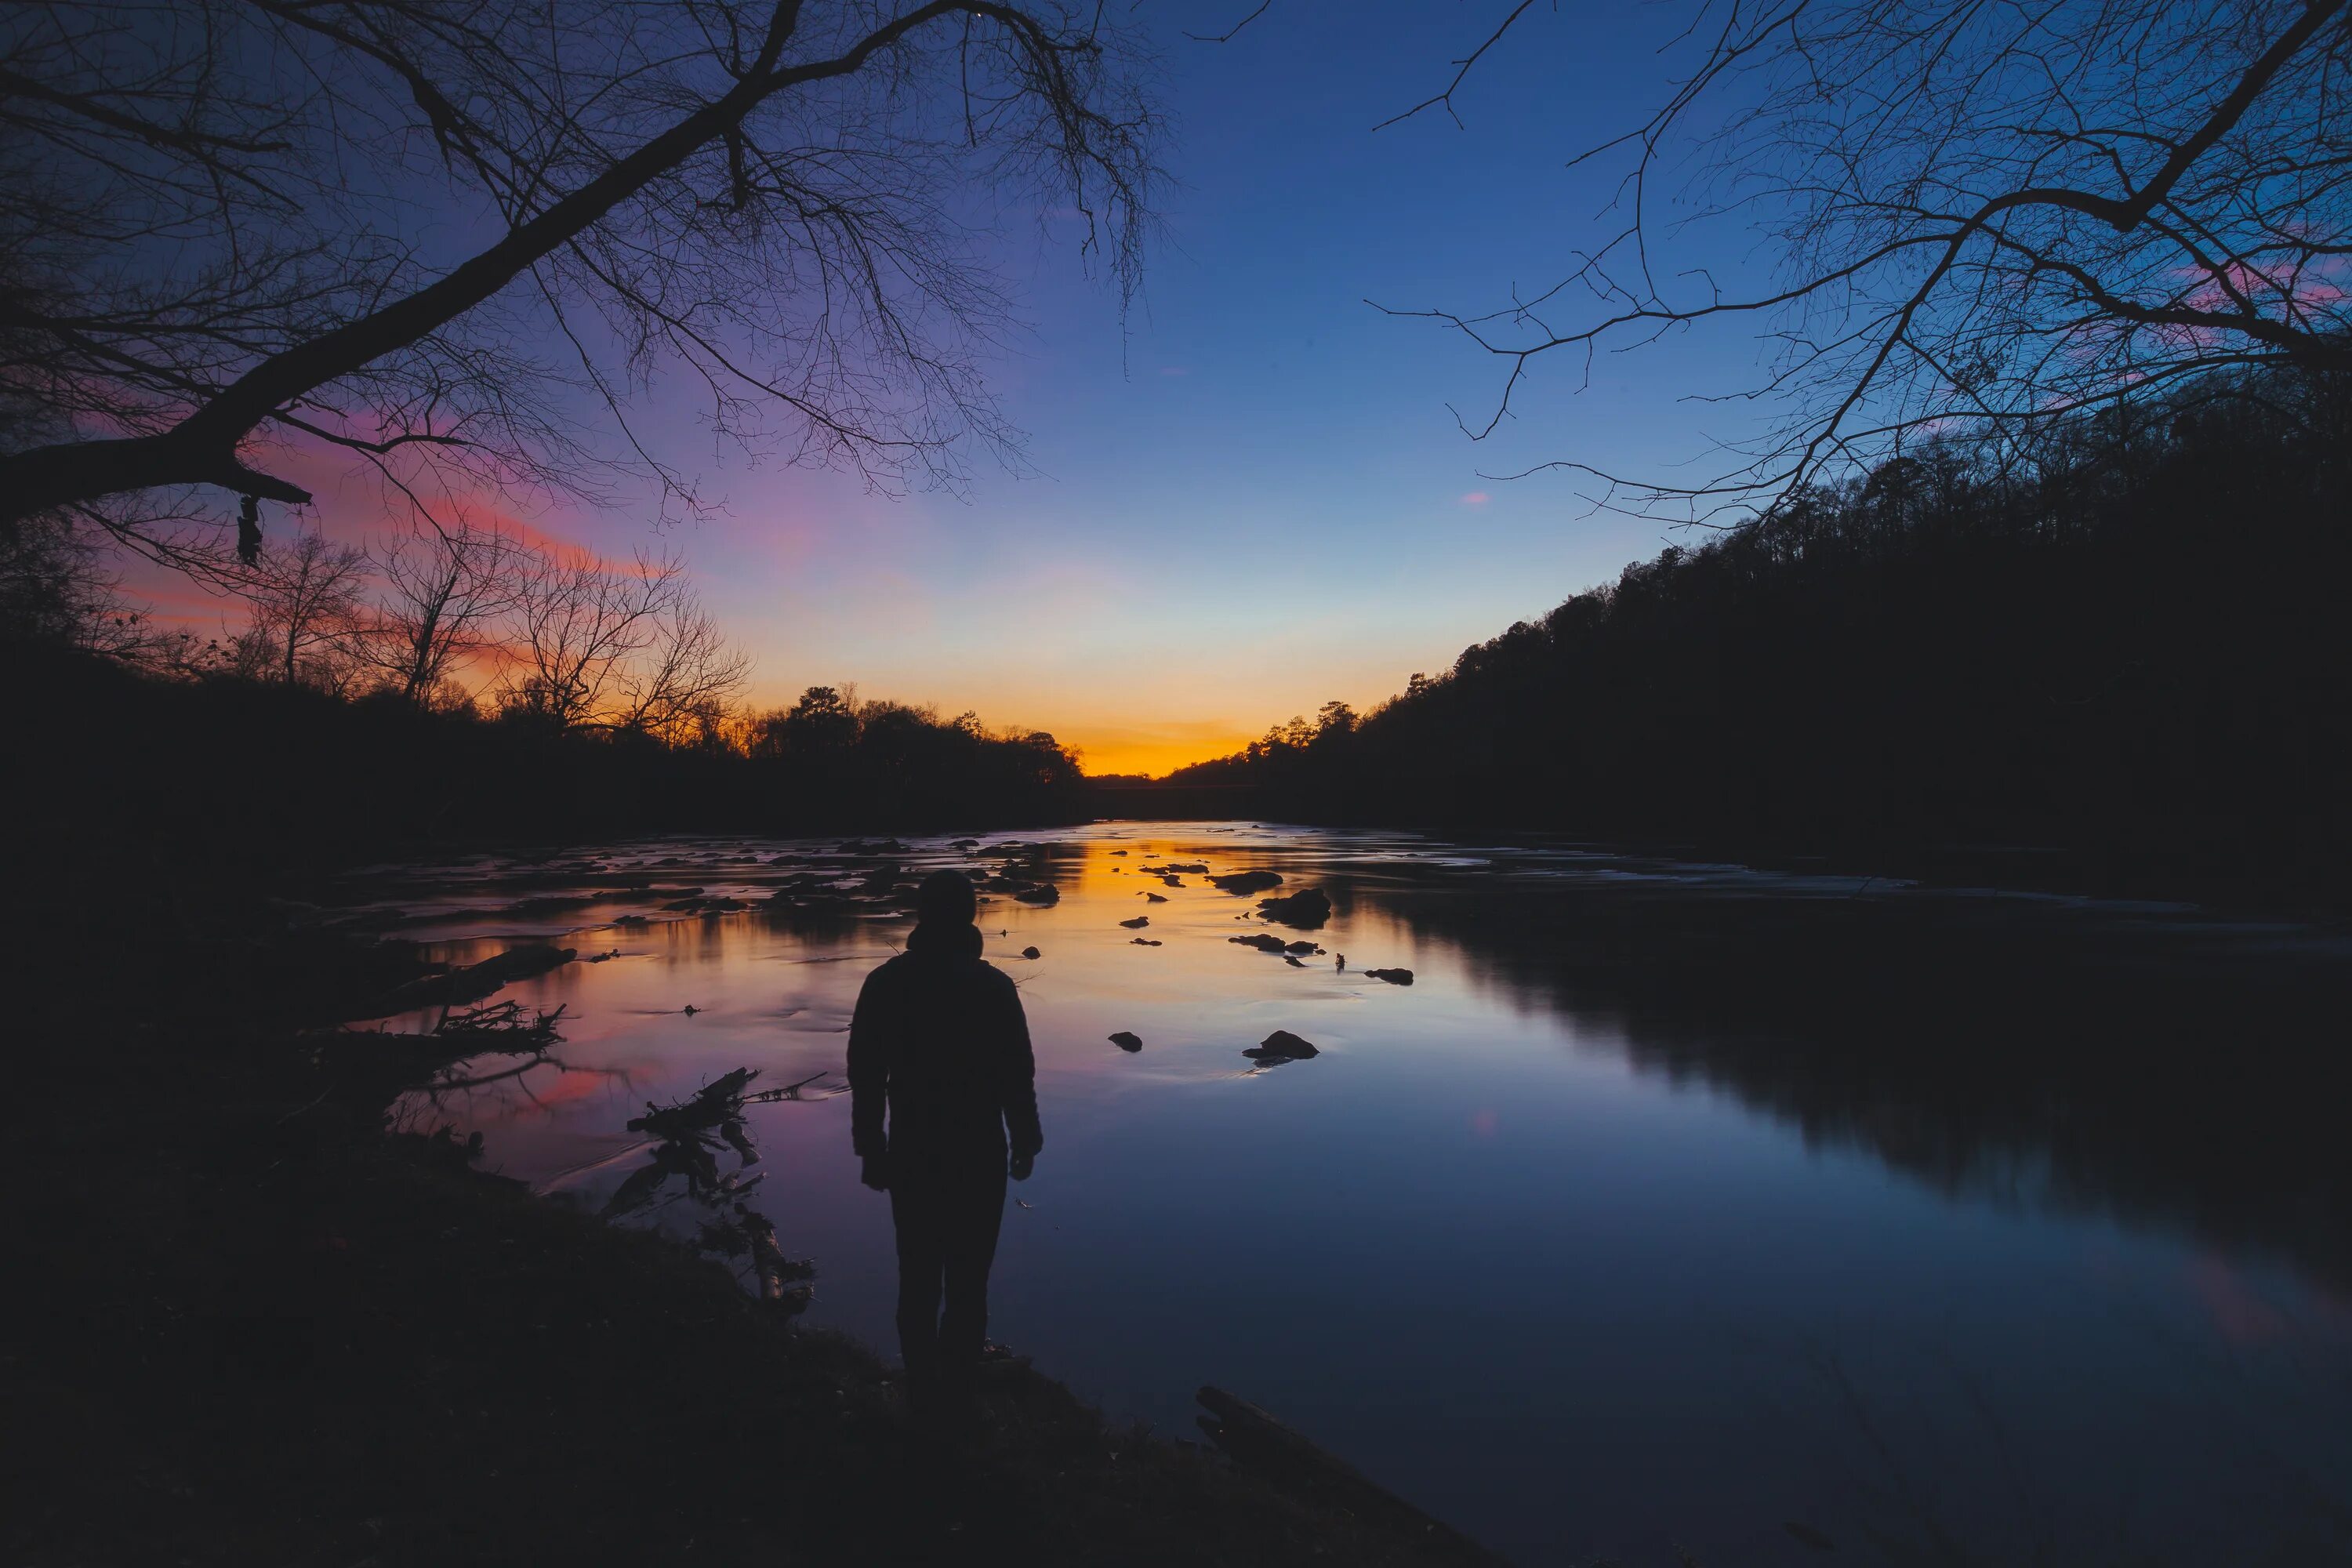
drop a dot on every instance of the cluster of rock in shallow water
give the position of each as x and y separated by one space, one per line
859 878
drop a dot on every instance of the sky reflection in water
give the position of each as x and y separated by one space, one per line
1668 1206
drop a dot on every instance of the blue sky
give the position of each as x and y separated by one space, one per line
1249 497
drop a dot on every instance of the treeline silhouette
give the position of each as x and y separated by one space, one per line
223 776
2122 638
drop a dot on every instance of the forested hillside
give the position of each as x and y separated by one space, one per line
2124 636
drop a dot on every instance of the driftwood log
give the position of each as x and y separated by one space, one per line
471 983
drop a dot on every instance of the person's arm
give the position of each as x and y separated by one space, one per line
869 1084
1018 1087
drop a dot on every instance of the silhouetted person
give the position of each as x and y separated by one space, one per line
939 1043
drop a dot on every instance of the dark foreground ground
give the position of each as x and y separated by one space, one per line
255 1329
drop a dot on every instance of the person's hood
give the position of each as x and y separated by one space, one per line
959 941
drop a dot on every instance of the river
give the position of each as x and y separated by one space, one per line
1670 1208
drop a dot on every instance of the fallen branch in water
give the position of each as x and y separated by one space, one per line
506 1021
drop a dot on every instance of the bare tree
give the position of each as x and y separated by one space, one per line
1990 213
680 684
226 225
307 596
56 588
443 595
593 646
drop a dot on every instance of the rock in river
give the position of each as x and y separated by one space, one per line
1394 976
1126 1040
1047 895
1282 1045
1307 909
1264 940
1138 923
1031 953
1246 882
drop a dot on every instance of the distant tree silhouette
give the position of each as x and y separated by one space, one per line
407 234
444 597
2121 638
307 624
626 649
1987 216
824 720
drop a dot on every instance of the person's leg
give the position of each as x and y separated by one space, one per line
975 1211
915 1216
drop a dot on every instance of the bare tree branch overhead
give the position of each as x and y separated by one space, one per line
458 242
1987 214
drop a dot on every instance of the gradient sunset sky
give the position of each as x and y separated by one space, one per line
1251 498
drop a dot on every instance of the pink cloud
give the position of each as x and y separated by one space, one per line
1477 498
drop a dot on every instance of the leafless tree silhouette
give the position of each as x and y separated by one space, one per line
423 236
597 647
1990 213
308 621
442 595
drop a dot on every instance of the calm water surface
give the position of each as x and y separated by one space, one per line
1669 1205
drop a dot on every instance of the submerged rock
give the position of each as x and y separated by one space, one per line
1197 867
1144 942
1307 909
1138 923
1301 947
1239 882
1126 1040
1154 898
1394 976
1265 942
1045 896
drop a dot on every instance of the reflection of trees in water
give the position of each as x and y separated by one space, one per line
691 1137
2159 1069
495 1050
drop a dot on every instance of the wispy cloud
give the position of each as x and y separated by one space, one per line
1477 498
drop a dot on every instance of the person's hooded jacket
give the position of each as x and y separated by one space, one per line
940 1069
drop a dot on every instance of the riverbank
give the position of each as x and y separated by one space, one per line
265 1331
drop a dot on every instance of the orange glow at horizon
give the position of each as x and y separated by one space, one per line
1136 752
1105 742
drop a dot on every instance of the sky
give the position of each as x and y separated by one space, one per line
1248 496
